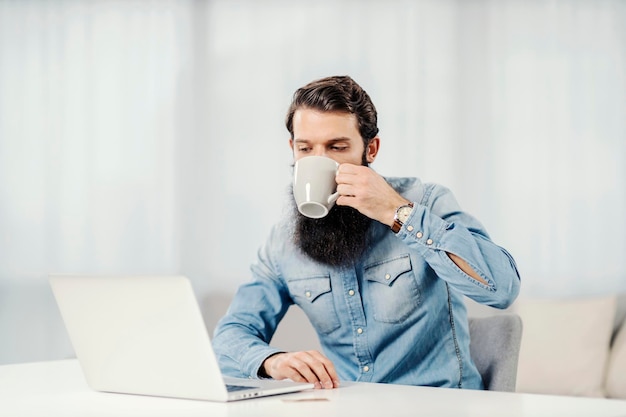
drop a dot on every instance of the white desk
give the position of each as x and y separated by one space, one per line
57 388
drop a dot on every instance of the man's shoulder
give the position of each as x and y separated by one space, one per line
415 189
403 184
281 229
410 187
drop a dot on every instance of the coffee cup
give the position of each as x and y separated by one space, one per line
314 185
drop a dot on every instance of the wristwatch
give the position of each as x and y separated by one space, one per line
402 213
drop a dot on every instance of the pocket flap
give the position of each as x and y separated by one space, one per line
386 272
310 288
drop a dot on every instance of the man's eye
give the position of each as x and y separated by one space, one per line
338 148
306 149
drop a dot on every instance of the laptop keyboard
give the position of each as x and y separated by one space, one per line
233 388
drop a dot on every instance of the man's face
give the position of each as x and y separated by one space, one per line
341 237
334 135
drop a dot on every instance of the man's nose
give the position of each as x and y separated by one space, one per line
320 151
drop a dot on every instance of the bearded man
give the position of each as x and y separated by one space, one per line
382 277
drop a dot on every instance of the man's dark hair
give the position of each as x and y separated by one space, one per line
336 94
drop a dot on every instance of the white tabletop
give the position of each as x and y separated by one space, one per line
57 388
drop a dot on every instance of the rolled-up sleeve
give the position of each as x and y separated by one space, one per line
437 226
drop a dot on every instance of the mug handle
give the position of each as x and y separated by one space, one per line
333 197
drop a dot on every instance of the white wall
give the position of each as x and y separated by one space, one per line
147 136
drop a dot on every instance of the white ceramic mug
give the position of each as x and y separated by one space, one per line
314 186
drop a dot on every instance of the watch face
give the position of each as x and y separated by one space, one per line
403 213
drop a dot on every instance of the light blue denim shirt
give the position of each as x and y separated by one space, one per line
398 316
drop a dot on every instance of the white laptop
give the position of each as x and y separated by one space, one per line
145 335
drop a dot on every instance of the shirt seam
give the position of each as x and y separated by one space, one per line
454 337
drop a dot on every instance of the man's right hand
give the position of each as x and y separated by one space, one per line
310 366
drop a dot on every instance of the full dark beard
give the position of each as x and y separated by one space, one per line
339 239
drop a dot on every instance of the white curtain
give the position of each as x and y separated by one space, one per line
147 136
90 96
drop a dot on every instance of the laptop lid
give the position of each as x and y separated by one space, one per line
145 335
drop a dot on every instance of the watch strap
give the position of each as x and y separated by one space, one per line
396 226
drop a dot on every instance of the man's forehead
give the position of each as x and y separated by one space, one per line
309 125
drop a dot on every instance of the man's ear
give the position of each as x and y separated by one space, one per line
372 149
291 144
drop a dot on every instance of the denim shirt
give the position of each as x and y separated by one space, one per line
396 316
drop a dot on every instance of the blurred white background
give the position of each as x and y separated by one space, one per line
147 136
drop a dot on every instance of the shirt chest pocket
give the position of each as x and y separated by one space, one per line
314 295
392 290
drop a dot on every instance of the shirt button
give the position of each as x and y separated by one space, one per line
351 292
308 294
409 228
419 235
366 368
387 276
359 330
429 242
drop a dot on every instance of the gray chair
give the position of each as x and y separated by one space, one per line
494 346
